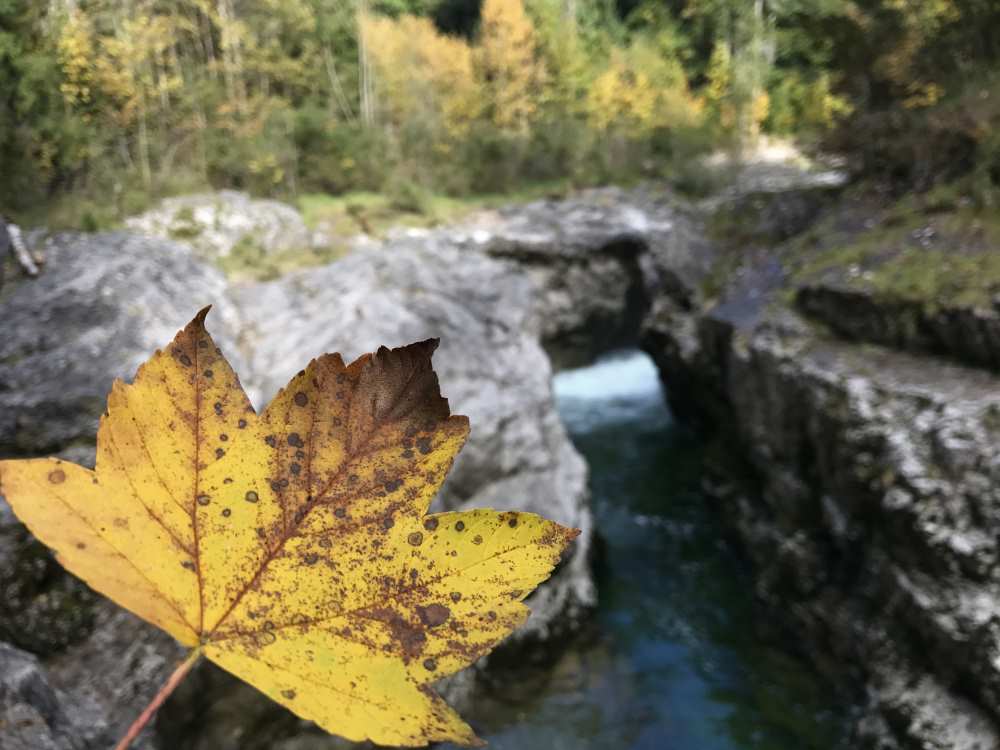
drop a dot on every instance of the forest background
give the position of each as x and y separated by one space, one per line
107 105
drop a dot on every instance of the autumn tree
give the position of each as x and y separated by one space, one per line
508 64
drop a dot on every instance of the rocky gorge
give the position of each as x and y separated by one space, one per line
851 428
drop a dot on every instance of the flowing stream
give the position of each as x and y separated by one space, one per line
671 661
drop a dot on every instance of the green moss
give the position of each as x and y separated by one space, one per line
407 205
248 260
935 249
43 609
184 227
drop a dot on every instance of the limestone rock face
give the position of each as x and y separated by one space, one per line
103 305
861 481
215 224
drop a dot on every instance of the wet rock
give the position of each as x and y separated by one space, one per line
218 224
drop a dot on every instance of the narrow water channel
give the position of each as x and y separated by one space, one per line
672 662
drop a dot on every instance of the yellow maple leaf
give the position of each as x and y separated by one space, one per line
293 548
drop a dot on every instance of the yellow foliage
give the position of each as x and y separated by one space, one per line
641 90
720 77
76 55
423 76
799 105
509 64
293 548
759 108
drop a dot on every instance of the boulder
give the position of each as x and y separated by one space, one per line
104 303
218 224
491 366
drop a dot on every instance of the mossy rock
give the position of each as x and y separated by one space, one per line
43 609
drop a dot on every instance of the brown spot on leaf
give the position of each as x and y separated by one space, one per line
433 614
226 512
295 441
81 545
58 476
223 437
290 694
185 360
456 596
415 538
310 558
512 522
339 512
424 445
430 665
477 539
187 564
301 399
242 424
460 526
203 500
411 638
219 453
251 497
430 524
208 373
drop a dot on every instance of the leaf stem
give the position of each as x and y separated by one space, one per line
169 686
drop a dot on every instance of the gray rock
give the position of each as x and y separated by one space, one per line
103 305
861 482
31 713
491 366
215 224
967 333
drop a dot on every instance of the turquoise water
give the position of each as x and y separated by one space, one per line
671 661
